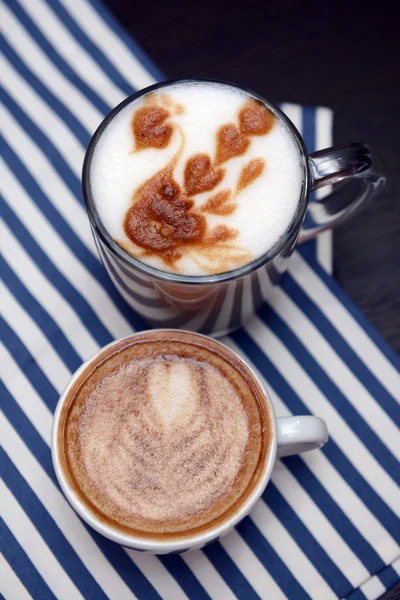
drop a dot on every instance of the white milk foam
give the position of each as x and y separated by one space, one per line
265 208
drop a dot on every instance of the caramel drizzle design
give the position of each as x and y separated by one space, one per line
163 219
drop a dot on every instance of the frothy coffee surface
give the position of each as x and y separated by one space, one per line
164 437
196 178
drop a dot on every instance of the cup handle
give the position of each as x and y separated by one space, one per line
332 165
300 434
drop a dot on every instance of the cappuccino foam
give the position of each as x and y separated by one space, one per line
196 178
164 437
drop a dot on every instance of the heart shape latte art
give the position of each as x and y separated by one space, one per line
230 142
201 175
150 129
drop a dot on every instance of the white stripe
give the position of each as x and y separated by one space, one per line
109 42
345 324
295 113
11 586
158 575
373 588
68 522
325 250
250 566
208 575
25 395
338 371
323 133
290 553
337 487
43 116
47 178
319 526
323 139
72 52
48 296
38 62
37 344
66 262
34 546
340 432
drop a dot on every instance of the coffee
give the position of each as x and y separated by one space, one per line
196 178
165 436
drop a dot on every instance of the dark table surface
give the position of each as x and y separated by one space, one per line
315 53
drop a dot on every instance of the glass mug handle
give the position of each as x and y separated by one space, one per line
300 434
346 162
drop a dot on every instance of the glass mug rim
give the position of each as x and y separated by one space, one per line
159 545
285 240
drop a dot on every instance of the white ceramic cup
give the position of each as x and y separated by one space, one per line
290 435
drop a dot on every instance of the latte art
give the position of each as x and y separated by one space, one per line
196 178
164 438
166 449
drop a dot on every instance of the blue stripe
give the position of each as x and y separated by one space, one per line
28 365
230 572
306 541
93 51
47 96
331 450
128 40
22 566
48 529
66 289
388 577
42 318
308 127
114 553
329 389
371 332
57 60
271 561
356 595
342 348
184 576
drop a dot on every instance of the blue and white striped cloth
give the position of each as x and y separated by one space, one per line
328 524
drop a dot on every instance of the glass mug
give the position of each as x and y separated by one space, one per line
218 304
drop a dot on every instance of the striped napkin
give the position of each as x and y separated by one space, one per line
327 526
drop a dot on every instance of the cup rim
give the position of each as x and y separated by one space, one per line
285 240
161 546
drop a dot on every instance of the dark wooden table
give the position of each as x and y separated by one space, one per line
317 53
341 55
